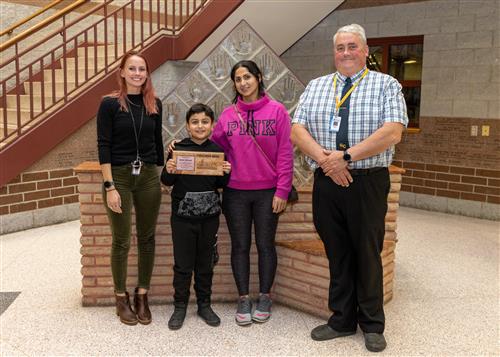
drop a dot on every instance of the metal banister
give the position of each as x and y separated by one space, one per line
43 79
41 24
30 17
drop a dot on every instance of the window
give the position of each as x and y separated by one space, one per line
401 57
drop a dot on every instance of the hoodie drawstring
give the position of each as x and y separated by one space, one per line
250 123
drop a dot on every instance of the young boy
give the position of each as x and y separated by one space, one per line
195 220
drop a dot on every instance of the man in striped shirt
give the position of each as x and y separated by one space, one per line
347 124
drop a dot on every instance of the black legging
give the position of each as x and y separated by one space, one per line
241 207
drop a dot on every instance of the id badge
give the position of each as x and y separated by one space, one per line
335 123
136 167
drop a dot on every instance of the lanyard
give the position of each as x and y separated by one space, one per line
137 136
339 103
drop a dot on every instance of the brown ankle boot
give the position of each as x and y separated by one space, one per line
124 310
141 307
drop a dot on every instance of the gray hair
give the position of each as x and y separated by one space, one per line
352 28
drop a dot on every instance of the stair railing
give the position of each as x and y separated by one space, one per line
80 56
10 29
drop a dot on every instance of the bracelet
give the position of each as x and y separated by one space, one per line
111 189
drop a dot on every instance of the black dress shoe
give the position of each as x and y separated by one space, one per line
325 332
208 315
375 342
178 316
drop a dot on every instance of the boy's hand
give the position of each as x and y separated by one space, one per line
171 166
226 167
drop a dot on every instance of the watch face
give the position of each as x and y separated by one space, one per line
347 157
108 184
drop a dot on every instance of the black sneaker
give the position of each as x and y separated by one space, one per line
375 342
178 316
208 315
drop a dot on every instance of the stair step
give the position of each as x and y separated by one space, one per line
24 100
98 52
12 116
92 50
70 74
71 63
10 129
59 88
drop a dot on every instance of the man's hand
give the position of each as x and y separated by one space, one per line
335 167
334 161
342 178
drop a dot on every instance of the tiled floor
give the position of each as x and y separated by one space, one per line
446 302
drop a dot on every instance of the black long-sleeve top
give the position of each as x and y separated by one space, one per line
192 183
115 134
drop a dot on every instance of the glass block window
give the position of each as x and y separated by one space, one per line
210 83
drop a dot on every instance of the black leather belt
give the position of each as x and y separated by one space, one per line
366 172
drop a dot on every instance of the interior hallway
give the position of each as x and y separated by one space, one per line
446 301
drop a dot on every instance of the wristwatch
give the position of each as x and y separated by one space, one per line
347 156
108 184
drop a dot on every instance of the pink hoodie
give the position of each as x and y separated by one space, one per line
249 168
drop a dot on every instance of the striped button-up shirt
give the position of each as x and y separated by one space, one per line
377 99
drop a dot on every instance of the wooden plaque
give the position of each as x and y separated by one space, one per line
198 163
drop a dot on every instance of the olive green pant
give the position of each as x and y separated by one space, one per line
143 192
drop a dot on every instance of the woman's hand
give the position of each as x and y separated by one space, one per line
171 166
226 167
171 147
279 204
114 201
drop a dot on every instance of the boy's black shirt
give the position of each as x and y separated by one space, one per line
192 183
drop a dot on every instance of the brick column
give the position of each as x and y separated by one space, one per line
97 286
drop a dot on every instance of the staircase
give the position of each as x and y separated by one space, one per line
46 99
45 94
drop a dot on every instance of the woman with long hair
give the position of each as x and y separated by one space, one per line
130 149
254 133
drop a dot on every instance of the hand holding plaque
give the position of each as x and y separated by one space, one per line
198 163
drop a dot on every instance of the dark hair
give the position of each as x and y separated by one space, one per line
252 67
200 108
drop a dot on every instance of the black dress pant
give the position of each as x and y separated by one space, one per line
193 241
350 222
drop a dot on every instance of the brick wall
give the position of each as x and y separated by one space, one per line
466 183
302 276
97 287
47 192
39 189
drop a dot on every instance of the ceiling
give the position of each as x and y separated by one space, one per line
279 22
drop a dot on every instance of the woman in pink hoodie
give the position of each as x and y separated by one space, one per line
254 133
